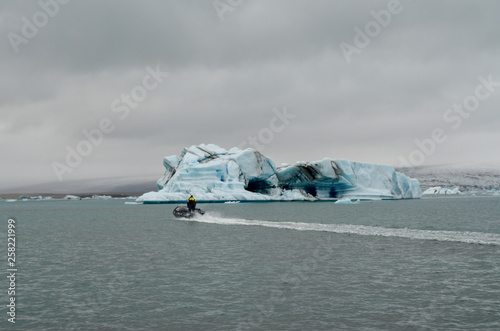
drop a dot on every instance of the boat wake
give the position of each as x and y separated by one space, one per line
362 230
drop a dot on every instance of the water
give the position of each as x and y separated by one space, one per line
428 264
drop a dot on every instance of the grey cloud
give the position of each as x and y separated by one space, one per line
225 77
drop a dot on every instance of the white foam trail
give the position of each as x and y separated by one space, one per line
363 230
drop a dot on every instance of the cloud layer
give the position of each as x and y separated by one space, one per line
225 77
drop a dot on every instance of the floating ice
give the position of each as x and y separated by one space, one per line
442 190
210 172
101 197
346 201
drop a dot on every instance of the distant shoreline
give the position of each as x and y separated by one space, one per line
62 195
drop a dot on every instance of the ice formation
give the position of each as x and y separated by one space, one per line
212 173
438 190
346 201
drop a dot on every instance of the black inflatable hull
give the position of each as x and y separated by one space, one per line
181 211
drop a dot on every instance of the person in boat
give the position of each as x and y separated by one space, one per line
191 204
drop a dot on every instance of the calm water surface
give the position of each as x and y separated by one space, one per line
428 264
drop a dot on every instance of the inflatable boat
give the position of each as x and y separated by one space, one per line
181 211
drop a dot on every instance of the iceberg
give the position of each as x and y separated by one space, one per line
438 190
212 173
101 197
346 201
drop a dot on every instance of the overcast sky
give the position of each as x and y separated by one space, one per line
360 80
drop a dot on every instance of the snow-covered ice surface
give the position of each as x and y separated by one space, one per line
211 173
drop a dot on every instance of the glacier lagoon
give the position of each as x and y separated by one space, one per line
212 173
391 264
410 264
